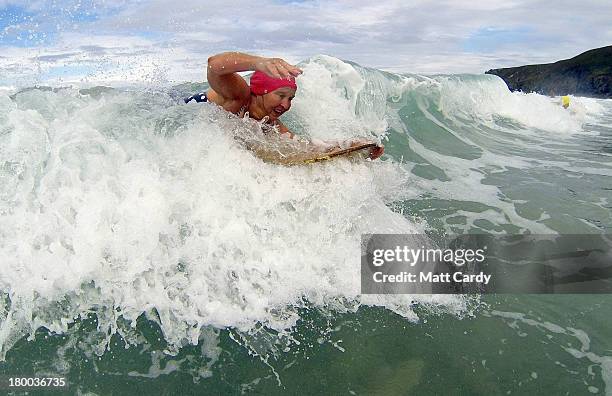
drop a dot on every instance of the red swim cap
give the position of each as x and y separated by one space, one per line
261 83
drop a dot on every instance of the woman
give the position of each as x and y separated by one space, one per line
269 95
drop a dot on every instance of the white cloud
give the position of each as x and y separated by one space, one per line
423 36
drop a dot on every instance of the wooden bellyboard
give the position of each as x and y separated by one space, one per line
306 154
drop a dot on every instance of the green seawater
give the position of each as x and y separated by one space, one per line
472 158
558 344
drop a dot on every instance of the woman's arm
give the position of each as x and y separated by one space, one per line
283 129
223 77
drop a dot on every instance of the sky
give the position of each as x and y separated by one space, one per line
160 41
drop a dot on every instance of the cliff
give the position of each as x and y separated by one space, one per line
588 74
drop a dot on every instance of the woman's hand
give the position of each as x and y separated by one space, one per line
277 68
375 152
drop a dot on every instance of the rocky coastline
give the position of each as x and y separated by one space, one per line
588 74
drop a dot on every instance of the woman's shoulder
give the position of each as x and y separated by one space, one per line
235 106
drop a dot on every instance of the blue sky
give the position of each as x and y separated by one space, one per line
68 40
489 39
24 25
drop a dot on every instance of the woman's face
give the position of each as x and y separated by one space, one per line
277 102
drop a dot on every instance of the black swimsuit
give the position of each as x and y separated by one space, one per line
199 97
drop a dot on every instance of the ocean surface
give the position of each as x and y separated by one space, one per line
144 249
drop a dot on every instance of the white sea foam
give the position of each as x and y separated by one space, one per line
7 90
486 97
127 203
338 100
472 129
